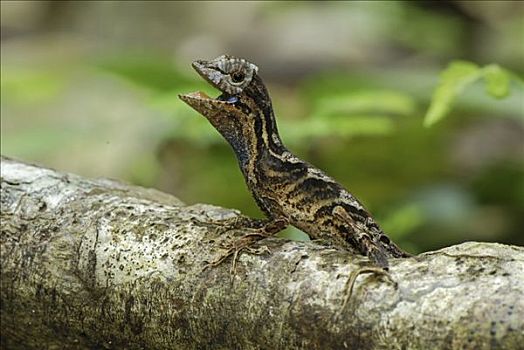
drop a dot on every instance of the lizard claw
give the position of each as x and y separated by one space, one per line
236 247
353 277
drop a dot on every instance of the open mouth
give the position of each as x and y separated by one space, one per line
199 95
210 75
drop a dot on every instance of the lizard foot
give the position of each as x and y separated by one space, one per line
260 229
236 247
353 277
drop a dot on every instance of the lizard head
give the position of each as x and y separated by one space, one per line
232 76
229 74
244 99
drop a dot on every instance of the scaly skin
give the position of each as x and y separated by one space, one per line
287 189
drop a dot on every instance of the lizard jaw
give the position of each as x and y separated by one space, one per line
212 72
194 96
208 106
212 76
202 96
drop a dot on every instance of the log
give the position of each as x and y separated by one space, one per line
95 263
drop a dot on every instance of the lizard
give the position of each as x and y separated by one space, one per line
287 189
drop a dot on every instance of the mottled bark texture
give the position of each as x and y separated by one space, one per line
100 264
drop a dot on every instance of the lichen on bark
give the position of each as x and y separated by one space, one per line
99 264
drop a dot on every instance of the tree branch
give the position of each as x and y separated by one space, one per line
99 264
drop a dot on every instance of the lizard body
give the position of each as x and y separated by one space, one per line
285 188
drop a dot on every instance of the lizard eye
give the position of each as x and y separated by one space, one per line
238 77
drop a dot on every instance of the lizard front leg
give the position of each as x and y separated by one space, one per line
260 229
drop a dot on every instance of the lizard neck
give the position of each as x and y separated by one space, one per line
259 141
259 153
255 138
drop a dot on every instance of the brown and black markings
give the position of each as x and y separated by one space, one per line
287 189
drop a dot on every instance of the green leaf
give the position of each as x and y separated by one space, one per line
497 80
453 80
460 74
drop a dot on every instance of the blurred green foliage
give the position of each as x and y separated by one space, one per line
335 114
458 76
31 86
353 85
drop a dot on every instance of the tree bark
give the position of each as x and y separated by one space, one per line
100 264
